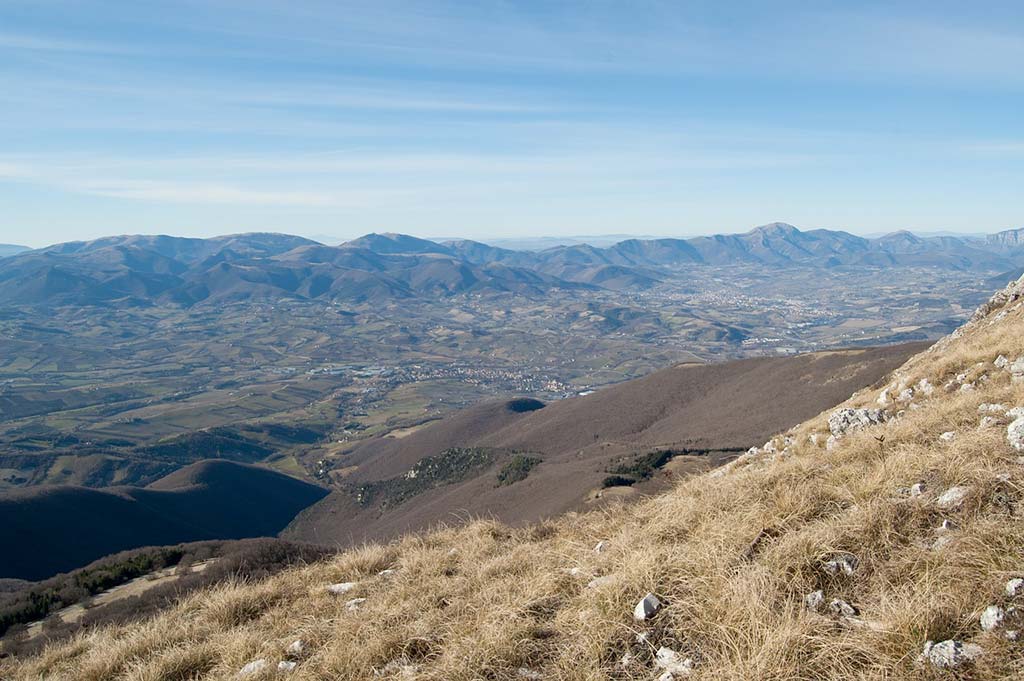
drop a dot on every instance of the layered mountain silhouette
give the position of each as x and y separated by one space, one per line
149 270
11 249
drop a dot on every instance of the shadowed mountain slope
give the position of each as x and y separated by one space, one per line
46 530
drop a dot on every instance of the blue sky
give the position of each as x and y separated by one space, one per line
487 119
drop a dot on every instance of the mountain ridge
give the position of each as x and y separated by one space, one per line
154 270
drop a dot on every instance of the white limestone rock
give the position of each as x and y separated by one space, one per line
599 548
918 489
992 617
953 497
925 387
843 421
287 666
648 606
1015 587
991 408
252 668
386 573
341 588
950 654
814 600
527 673
673 663
1001 362
948 436
354 604
598 582
841 608
844 563
297 648
1015 434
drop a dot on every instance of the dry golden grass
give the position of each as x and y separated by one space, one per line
732 554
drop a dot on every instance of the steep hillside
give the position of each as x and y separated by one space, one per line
881 540
46 529
687 413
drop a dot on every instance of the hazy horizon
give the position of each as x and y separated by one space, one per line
510 120
604 238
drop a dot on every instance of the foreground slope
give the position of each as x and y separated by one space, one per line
710 411
51 529
909 533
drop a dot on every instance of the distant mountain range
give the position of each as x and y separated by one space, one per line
378 267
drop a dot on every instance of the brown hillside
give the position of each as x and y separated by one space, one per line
714 407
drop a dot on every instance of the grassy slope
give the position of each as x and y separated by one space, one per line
483 601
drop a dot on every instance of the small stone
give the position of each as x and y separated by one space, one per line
1015 587
627 660
990 408
643 637
883 398
814 600
841 608
925 387
286 666
386 573
647 607
844 563
296 649
252 668
527 673
946 526
905 395
1011 634
953 497
598 582
988 422
942 542
950 654
967 387
917 489
599 547
1014 413
341 588
948 436
354 604
672 662
992 617
1001 362
1015 434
